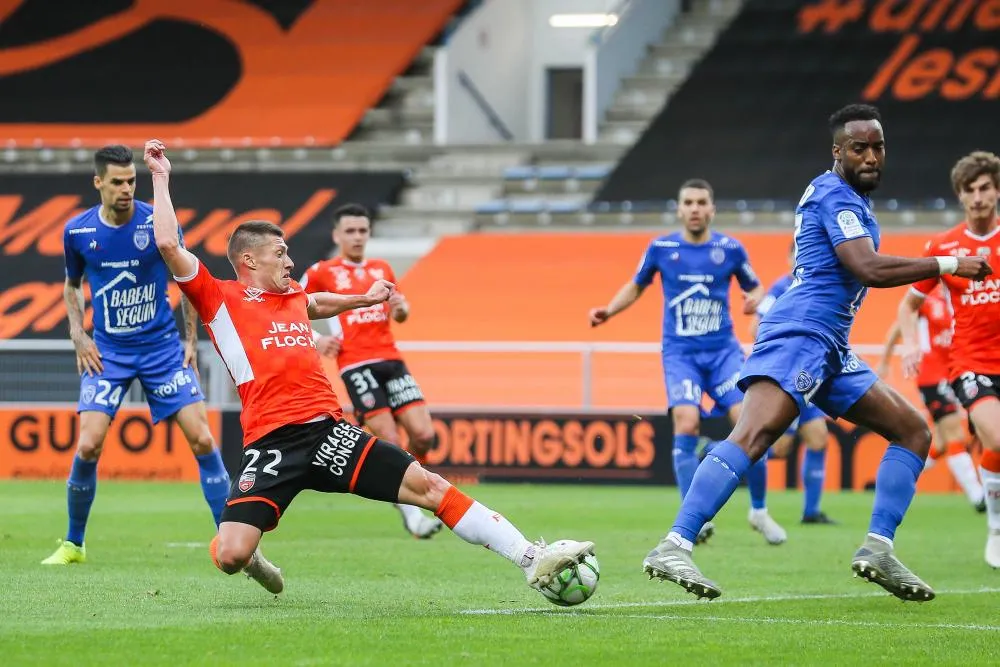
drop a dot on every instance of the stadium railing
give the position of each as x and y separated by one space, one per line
457 376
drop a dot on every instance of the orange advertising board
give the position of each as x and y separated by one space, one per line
40 442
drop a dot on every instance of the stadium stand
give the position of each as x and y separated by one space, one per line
253 74
750 116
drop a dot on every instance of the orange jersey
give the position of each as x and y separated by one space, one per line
365 333
935 339
974 303
267 343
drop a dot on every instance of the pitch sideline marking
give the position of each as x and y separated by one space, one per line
723 601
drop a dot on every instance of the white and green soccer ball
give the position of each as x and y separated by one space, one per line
575 584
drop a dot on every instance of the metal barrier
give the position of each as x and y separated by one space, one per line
44 371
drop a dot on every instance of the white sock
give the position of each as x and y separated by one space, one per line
481 525
881 538
758 512
964 471
680 541
991 485
411 514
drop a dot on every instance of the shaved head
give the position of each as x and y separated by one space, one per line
250 235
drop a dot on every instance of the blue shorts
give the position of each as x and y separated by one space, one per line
167 384
811 369
808 414
690 375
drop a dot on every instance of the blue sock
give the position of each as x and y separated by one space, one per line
81 487
214 482
757 483
714 482
813 476
685 461
895 484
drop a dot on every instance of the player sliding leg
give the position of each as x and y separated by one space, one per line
377 467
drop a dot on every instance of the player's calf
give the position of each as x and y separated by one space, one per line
233 548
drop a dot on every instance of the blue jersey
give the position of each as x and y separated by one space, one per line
779 287
695 281
824 296
127 276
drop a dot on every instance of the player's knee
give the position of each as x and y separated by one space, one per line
782 446
89 447
917 438
422 440
202 443
425 485
229 555
686 421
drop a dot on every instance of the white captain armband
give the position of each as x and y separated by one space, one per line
947 265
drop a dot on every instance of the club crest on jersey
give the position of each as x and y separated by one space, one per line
88 394
983 251
247 480
141 239
803 382
368 400
717 255
253 294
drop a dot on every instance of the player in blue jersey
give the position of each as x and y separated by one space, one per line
700 352
135 338
810 424
802 357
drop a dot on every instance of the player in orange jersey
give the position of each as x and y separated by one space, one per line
294 434
974 359
934 333
381 387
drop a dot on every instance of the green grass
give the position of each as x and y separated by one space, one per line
361 592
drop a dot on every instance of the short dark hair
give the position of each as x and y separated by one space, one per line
250 234
112 154
852 112
351 211
698 184
972 166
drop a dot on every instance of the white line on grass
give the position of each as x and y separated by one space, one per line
689 602
186 545
803 621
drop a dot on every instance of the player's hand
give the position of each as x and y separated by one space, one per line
598 316
911 361
88 357
750 304
328 346
191 356
380 291
155 157
973 268
397 304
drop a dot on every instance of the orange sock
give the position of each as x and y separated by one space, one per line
453 507
955 447
990 461
213 549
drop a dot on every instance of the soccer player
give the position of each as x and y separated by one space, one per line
810 424
378 382
135 338
801 357
974 358
293 431
700 352
934 333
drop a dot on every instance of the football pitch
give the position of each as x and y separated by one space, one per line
359 591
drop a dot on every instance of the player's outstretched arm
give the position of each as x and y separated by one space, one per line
892 338
180 261
625 297
908 323
327 304
875 270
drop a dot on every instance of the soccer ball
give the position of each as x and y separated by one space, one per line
575 584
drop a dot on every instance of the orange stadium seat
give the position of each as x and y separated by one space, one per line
305 83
